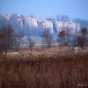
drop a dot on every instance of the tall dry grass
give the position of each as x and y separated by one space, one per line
69 71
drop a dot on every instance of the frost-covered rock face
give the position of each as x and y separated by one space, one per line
47 25
32 27
69 27
58 26
20 21
31 21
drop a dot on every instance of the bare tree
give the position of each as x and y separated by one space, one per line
82 39
31 43
6 39
62 35
18 39
47 37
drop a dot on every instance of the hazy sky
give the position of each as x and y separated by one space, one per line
46 8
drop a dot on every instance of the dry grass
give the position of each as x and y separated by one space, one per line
57 71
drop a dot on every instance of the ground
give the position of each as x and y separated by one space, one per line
60 70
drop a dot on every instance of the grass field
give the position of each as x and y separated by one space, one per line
57 71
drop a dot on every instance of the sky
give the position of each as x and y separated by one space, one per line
46 8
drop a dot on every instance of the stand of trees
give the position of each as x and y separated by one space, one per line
79 39
8 39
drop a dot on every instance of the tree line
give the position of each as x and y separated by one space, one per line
10 40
